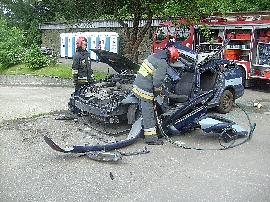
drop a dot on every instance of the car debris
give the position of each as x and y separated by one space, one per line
189 89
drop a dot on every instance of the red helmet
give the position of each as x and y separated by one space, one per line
173 54
80 40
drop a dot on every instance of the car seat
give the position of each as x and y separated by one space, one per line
207 81
184 89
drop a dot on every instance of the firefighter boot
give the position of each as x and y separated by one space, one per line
152 140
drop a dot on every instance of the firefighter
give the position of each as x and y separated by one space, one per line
81 67
148 83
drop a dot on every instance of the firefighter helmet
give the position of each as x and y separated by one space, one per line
80 40
173 54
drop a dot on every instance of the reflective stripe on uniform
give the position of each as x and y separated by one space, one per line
74 71
148 68
145 70
82 79
153 69
150 131
142 93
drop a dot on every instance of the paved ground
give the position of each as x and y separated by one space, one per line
26 101
31 171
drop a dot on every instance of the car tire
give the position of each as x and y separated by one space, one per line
226 102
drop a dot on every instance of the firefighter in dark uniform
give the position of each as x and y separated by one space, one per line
81 67
148 83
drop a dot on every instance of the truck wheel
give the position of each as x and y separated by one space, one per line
226 102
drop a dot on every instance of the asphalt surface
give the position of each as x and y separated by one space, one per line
32 171
27 101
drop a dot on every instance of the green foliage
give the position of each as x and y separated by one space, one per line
206 32
11 45
99 75
223 6
53 58
34 59
57 70
33 34
27 14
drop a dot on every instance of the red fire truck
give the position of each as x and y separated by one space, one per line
249 46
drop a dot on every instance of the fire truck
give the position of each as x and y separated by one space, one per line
249 46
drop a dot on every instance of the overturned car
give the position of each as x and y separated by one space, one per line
110 99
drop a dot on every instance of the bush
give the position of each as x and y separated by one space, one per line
54 57
34 59
11 45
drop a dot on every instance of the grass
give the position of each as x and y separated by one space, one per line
58 70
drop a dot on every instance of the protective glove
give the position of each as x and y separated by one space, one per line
158 90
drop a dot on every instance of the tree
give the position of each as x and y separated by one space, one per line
147 9
36 11
11 44
28 13
224 6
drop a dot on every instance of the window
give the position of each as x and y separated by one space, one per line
162 33
182 33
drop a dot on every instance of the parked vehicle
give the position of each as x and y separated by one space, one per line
46 50
249 46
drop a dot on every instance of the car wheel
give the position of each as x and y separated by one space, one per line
226 102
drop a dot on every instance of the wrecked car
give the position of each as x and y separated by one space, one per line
189 89
109 99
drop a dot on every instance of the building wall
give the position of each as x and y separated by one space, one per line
51 38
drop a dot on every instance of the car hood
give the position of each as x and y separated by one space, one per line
118 62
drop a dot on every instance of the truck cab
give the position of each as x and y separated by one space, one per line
249 46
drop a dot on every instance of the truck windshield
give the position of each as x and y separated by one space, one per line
182 33
162 33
